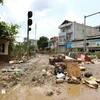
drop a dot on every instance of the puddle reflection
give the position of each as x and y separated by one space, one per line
73 90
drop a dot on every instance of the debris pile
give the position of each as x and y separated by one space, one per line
58 58
72 70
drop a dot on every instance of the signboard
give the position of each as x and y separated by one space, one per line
73 69
80 44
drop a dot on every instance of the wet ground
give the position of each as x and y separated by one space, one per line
37 92
68 92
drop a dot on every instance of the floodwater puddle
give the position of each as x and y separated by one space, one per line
68 91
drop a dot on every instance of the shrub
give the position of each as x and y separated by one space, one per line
97 53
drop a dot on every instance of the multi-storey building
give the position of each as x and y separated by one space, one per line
71 32
53 43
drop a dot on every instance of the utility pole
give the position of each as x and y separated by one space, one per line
85 46
84 34
35 35
35 30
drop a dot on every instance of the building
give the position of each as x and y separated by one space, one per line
33 42
98 29
4 43
53 43
71 31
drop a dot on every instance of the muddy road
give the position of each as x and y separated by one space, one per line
34 84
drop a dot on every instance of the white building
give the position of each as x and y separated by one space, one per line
73 31
33 42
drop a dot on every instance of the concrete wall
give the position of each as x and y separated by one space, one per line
61 48
79 31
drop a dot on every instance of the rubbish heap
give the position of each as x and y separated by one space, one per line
70 70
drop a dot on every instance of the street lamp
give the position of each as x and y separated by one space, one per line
85 47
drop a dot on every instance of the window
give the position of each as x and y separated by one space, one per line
62 39
2 48
63 30
69 36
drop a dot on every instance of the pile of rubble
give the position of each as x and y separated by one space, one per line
72 70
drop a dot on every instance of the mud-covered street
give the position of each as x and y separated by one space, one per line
34 84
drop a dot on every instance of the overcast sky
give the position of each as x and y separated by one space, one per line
48 14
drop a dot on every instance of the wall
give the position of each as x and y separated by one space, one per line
79 31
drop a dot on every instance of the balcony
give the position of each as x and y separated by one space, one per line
63 34
69 31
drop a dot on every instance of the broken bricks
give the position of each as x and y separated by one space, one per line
74 80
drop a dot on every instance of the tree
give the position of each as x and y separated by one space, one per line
9 31
42 42
20 48
1 1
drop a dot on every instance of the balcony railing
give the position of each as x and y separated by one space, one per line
62 34
69 31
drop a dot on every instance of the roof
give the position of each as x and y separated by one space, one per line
66 22
97 26
88 38
55 38
7 38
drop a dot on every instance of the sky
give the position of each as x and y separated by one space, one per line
48 15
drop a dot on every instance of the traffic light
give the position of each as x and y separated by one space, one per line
29 20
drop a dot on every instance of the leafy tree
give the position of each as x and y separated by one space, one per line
9 31
20 48
42 42
1 1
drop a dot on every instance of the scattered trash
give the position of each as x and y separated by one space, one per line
48 73
58 58
20 71
69 58
4 70
60 76
98 80
49 93
88 74
44 71
60 67
15 61
58 92
96 61
66 78
59 80
87 58
82 68
91 82
74 80
10 69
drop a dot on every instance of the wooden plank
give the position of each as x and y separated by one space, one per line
73 69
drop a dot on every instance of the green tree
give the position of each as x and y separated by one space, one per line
42 42
19 49
9 31
1 1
